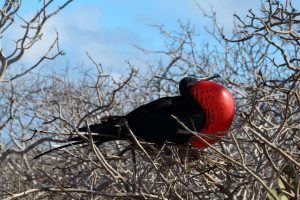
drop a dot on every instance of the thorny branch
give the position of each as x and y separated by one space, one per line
258 159
31 35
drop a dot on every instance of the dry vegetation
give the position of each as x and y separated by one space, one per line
258 159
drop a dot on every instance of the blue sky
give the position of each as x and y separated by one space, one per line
109 29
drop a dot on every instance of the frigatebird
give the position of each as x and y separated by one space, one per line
203 106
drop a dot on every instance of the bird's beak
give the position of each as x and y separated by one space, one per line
209 77
212 77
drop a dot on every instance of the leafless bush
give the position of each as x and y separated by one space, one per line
258 159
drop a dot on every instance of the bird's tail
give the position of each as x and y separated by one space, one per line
109 129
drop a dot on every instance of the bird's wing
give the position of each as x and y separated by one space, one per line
165 104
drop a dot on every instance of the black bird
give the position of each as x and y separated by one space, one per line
203 106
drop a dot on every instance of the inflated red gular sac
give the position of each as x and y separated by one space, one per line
218 106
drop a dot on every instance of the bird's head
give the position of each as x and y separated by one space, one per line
187 82
185 85
218 106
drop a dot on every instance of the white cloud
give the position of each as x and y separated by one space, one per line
80 32
81 29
